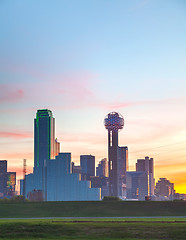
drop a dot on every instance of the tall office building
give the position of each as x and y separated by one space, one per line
87 163
147 165
52 178
44 137
11 183
122 168
7 180
3 178
137 185
102 168
113 123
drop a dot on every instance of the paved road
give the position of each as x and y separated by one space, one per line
147 217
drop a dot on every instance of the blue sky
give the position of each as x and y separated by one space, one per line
83 59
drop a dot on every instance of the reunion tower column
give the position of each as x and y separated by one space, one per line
113 123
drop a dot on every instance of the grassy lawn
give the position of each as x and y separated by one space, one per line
91 209
94 229
139 228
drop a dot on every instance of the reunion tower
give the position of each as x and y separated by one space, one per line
113 123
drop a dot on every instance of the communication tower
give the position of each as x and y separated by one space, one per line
113 123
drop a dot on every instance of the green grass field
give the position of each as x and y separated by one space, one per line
94 229
91 209
80 229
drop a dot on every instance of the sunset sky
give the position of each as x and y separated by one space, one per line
85 58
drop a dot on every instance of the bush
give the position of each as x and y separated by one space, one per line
111 198
14 199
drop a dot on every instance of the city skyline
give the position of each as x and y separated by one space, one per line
85 59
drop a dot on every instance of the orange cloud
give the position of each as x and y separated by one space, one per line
77 86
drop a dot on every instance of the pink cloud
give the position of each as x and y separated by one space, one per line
71 88
15 135
118 105
9 94
74 89
77 86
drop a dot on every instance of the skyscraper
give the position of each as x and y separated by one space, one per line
122 168
147 165
3 178
87 163
44 137
52 178
137 185
11 183
7 180
113 122
102 168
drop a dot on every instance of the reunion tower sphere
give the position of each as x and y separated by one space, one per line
114 121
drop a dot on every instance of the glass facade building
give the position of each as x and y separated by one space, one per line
87 163
3 178
7 181
102 168
58 183
122 168
52 177
11 181
44 137
137 185
147 165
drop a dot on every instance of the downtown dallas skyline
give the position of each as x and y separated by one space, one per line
83 59
94 141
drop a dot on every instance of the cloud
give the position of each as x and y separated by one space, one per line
118 105
15 135
69 89
74 85
7 94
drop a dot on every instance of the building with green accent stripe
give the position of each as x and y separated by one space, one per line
44 137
